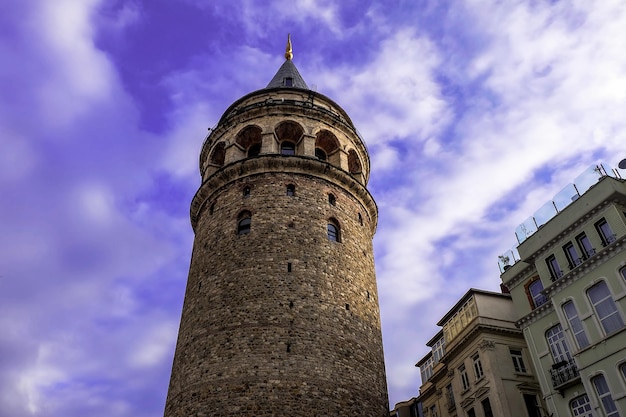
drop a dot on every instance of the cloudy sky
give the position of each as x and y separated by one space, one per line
475 112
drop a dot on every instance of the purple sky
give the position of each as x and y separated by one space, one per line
475 113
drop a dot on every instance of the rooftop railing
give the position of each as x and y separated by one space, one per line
549 210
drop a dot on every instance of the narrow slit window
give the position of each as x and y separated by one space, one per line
291 190
246 191
245 223
333 232
332 200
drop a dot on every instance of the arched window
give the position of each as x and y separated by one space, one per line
287 148
332 200
534 289
580 406
604 396
250 139
558 345
218 155
623 272
605 308
334 233
575 324
354 164
245 222
291 190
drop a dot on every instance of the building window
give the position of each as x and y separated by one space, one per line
605 308
288 148
246 191
478 367
518 361
554 267
433 411
245 221
464 378
580 406
534 289
471 413
254 150
450 397
333 231
575 324
572 255
604 396
623 272
320 154
558 345
332 200
606 234
291 190
361 223
585 246
438 350
532 406
622 368
426 370
487 407
288 82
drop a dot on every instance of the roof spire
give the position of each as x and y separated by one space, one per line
289 50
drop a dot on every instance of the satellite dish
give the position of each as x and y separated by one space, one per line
622 164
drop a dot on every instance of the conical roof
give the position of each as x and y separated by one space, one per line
287 76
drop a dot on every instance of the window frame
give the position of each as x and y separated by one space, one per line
244 224
557 344
287 147
606 233
575 324
536 299
583 406
572 256
585 246
554 268
518 360
478 367
604 398
333 231
486 405
607 300
290 190
464 377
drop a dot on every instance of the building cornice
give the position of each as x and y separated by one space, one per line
538 313
277 163
586 267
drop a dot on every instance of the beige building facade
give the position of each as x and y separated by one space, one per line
568 285
479 365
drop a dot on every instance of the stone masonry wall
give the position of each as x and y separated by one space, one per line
280 321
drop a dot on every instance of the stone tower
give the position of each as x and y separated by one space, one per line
281 311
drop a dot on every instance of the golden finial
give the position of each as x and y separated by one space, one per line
289 51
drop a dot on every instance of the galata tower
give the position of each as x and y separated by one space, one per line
281 313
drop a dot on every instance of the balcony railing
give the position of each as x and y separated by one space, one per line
563 372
